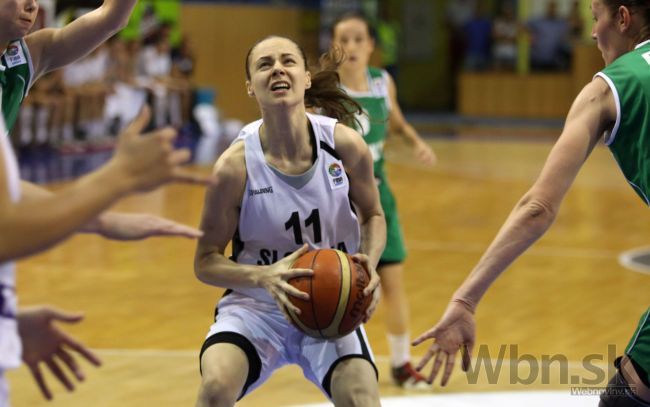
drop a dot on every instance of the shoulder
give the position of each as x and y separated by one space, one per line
321 120
250 128
350 145
596 102
230 168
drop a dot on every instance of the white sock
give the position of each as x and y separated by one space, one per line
400 349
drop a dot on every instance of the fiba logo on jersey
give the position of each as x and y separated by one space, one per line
362 122
336 173
335 170
14 55
12 50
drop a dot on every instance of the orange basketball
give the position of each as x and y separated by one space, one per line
336 306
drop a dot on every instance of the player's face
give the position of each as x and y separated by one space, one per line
278 74
353 37
16 18
610 40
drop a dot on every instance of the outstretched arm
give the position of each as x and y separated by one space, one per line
592 113
120 226
140 163
53 48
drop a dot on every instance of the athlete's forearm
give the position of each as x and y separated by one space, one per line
373 237
528 221
43 219
408 133
217 270
31 193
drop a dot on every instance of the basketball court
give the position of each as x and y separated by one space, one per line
569 299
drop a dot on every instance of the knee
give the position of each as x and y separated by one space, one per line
357 395
216 392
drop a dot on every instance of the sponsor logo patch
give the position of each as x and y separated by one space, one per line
15 55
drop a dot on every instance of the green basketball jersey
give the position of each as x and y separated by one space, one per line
629 79
373 124
639 347
16 75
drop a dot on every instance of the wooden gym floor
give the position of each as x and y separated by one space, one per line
146 314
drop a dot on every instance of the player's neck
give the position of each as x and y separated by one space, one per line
285 134
356 80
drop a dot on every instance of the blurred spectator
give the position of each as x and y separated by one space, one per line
504 38
126 98
182 69
458 13
478 35
156 69
46 112
85 80
549 40
576 23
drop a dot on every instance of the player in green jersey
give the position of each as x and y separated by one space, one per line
614 104
27 57
375 91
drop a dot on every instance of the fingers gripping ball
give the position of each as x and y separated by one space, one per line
336 304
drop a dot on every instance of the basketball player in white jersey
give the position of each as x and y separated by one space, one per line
290 182
32 220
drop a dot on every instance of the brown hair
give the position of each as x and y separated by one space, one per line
642 6
354 15
325 91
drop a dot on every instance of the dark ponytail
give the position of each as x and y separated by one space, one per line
325 92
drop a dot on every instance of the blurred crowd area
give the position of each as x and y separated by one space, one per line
487 35
82 107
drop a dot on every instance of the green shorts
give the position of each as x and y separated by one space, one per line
395 250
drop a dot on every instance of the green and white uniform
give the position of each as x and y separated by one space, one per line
374 129
16 76
639 347
629 80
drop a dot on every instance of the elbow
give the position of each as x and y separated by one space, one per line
200 269
538 213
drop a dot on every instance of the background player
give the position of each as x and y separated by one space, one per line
375 91
288 181
614 103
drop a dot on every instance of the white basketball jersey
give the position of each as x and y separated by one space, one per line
276 218
10 346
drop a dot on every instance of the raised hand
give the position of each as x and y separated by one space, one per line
274 280
145 161
44 342
373 284
455 331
